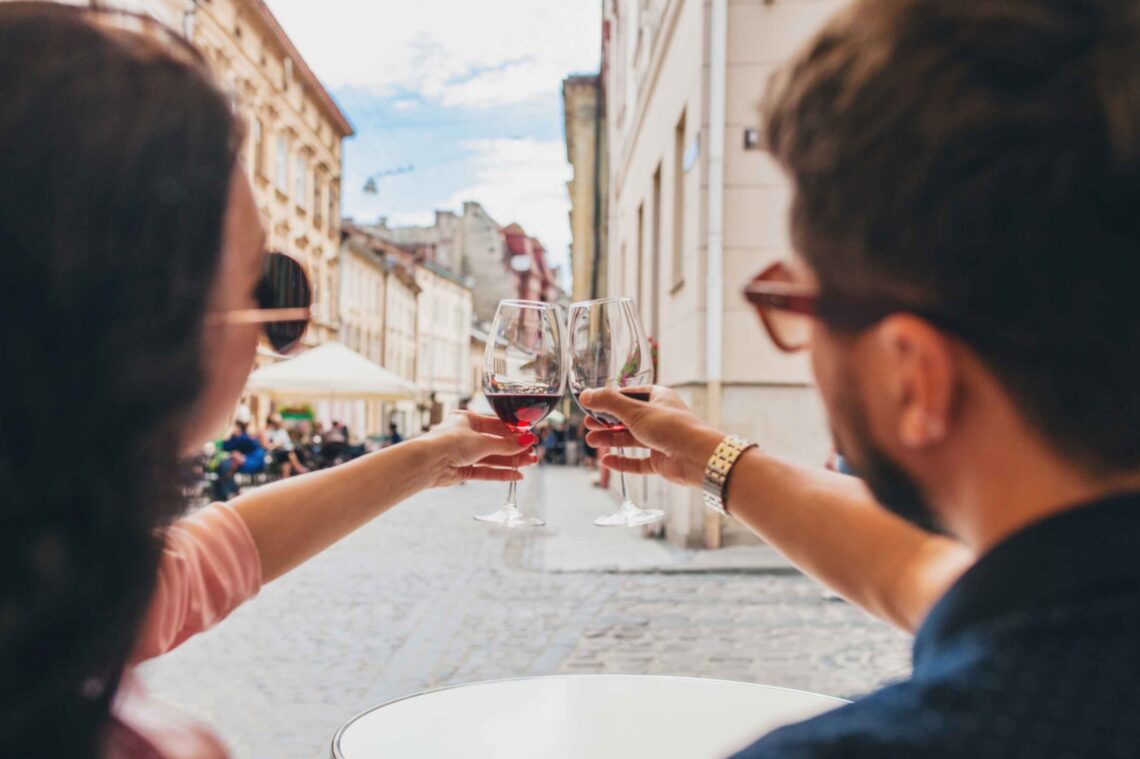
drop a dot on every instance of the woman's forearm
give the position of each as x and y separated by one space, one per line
294 519
832 528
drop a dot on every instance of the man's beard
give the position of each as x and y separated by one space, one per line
892 487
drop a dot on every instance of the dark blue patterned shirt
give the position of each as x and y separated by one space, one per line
1034 653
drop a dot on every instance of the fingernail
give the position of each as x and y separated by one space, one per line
528 439
586 396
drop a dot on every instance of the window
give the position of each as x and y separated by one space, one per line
317 204
301 181
679 205
334 206
281 177
259 147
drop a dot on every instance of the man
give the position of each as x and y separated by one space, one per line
966 218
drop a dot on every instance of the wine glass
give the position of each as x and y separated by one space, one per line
524 378
608 348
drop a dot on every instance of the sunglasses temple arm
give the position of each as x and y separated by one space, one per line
260 316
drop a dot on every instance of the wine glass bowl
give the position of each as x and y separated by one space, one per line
524 378
609 349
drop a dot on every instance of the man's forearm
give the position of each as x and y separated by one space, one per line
832 528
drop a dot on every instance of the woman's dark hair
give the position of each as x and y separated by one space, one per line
116 153
982 157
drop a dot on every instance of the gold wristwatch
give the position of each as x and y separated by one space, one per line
718 467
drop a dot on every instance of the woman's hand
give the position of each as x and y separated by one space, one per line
467 446
679 443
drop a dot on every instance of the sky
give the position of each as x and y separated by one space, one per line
466 91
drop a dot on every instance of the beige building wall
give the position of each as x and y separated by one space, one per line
363 281
362 284
658 118
444 336
583 100
401 304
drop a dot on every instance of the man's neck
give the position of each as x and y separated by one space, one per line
1004 487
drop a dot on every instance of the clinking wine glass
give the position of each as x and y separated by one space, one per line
608 348
524 378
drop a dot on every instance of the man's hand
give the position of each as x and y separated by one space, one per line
467 446
679 443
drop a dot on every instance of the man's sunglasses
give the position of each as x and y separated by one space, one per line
284 297
786 309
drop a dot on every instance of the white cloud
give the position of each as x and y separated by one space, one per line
523 181
457 52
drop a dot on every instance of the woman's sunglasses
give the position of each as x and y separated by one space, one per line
284 297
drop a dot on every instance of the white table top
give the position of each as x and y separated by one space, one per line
563 716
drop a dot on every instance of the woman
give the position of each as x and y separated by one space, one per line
128 232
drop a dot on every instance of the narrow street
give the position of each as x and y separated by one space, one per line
425 596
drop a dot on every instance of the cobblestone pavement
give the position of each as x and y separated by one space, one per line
425 596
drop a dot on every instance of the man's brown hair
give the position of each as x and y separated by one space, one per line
982 158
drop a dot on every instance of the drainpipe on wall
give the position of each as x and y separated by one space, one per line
714 296
599 117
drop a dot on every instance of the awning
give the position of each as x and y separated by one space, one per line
329 371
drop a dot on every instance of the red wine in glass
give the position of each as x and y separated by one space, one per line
523 410
524 378
611 422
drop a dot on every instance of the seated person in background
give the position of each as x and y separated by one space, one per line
250 448
333 444
280 448
394 435
966 224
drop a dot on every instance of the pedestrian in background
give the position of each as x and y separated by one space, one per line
394 435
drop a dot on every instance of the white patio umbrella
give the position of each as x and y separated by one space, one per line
330 371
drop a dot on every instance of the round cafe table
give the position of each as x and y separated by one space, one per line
563 716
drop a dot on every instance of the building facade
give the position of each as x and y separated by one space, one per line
444 333
583 101
427 317
363 280
534 278
293 145
696 209
470 244
401 318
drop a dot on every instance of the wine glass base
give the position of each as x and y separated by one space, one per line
634 517
508 519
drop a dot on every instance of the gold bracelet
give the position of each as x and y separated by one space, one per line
718 468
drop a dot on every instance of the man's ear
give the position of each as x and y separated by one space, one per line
920 370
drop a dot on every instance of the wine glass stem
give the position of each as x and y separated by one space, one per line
512 504
626 503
